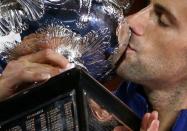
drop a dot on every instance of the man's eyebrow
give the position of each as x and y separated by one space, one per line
166 11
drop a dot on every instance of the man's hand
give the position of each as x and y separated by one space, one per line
31 68
150 122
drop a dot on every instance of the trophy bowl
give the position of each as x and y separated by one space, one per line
84 31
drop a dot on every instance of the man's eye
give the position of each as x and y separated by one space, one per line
163 21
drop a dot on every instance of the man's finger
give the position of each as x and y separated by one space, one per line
154 126
35 77
48 57
145 121
153 116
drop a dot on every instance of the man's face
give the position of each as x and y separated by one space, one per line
157 51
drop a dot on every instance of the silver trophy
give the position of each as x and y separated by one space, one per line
87 33
84 31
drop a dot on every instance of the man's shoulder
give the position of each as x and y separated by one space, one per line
133 95
128 89
181 121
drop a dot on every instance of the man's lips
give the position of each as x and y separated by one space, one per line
130 48
124 54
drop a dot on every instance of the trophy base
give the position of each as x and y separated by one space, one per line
71 101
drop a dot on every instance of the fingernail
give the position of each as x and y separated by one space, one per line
46 76
68 67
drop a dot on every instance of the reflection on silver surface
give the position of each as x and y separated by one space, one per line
125 4
123 33
101 119
12 13
74 47
82 30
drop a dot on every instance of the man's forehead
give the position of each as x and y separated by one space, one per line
176 7
171 4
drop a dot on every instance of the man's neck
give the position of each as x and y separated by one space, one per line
168 102
113 84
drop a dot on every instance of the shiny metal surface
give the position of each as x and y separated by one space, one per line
13 13
82 30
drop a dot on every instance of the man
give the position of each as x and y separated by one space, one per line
156 59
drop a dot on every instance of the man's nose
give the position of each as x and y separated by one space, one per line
139 21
